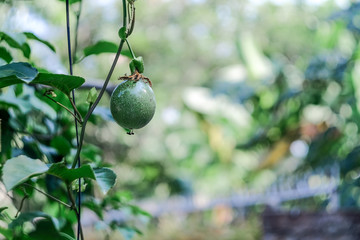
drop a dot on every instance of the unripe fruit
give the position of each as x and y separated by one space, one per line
133 104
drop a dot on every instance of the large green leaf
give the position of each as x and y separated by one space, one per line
104 47
30 35
106 178
45 229
64 83
21 72
26 217
19 169
61 171
45 224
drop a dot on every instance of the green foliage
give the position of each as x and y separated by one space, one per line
64 83
20 71
18 41
4 53
38 147
61 171
91 96
103 47
106 178
19 169
15 73
236 91
30 35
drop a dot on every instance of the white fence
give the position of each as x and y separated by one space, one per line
322 181
299 186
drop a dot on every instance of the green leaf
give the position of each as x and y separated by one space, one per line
65 83
30 35
19 169
92 96
45 229
21 72
66 236
62 145
104 47
26 217
4 54
106 178
7 233
25 48
101 47
61 171
3 208
16 40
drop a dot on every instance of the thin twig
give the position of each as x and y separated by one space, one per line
48 195
77 113
131 51
132 20
77 14
66 108
21 205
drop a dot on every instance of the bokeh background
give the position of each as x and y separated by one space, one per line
257 105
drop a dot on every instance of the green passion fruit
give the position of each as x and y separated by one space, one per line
133 104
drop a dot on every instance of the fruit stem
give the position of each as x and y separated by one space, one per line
131 51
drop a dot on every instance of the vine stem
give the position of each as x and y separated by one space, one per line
103 89
131 51
76 112
72 200
21 204
78 13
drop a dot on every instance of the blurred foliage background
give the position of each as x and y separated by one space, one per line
246 91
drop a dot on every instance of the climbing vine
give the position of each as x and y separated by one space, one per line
40 115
